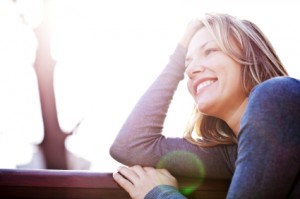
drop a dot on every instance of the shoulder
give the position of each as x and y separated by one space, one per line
275 98
273 108
278 84
277 88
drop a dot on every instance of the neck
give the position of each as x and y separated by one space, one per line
234 118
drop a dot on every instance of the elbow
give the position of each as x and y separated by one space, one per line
126 154
118 152
114 152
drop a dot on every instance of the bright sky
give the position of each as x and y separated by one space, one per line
108 53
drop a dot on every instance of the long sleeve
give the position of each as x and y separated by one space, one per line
268 162
164 192
140 140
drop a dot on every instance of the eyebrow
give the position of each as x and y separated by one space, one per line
188 59
205 44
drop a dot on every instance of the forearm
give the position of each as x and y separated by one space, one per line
142 129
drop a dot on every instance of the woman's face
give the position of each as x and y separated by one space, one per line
214 79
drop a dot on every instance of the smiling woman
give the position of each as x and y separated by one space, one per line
107 53
222 75
247 117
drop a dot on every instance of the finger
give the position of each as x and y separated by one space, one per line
139 170
149 169
152 171
128 173
164 172
123 182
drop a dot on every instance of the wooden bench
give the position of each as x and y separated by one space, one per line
70 184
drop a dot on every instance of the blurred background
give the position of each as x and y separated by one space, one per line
72 70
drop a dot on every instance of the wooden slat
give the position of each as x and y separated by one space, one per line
70 184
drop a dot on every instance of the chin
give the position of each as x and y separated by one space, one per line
206 109
203 109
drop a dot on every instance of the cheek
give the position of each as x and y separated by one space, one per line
190 87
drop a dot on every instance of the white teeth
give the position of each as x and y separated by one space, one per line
203 84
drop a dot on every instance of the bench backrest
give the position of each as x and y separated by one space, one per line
70 184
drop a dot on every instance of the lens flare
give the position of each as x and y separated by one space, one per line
184 163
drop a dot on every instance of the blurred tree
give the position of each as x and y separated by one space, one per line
53 144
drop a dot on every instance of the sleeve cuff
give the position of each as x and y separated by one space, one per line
164 192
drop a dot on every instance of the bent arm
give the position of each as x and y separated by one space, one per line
142 129
140 140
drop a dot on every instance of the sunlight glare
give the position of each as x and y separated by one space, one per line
107 54
20 115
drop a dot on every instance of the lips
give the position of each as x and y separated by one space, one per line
203 83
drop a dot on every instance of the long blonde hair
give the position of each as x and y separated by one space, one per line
259 61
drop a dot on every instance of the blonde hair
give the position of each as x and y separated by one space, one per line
259 61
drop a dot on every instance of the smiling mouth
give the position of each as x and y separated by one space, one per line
205 84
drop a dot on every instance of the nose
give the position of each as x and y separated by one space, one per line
194 70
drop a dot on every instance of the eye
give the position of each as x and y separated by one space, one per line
210 51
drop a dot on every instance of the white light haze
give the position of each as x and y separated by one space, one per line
108 53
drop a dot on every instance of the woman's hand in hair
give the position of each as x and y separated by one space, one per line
138 181
192 27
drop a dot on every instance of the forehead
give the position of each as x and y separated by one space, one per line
201 38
